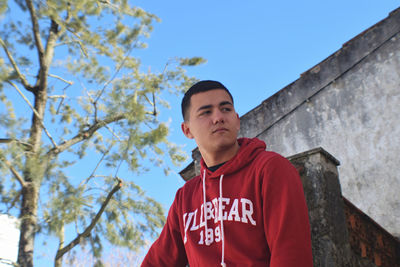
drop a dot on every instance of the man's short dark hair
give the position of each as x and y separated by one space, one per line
199 87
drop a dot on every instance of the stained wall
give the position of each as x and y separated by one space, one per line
349 104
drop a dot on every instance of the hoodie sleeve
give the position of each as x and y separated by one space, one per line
168 250
286 222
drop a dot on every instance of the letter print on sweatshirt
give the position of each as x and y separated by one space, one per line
233 210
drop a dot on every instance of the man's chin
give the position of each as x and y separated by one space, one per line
225 144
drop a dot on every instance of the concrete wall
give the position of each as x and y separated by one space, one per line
349 104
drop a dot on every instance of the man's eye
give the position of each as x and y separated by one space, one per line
226 109
206 112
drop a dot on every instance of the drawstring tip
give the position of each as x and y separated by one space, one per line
223 264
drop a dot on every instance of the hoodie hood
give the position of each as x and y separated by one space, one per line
249 149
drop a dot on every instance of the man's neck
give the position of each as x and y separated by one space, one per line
217 157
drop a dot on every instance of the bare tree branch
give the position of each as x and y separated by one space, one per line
36 113
19 178
58 96
154 101
58 77
88 229
62 100
149 101
8 262
83 135
10 140
77 40
21 77
97 166
113 133
36 30
95 169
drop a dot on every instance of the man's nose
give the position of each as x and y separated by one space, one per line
218 116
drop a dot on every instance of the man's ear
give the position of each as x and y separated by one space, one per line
186 130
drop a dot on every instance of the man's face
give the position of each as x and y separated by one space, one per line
212 121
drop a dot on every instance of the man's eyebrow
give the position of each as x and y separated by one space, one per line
204 107
223 103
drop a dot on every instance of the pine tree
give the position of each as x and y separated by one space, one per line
73 92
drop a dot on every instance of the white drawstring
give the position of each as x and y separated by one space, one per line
220 216
222 222
204 208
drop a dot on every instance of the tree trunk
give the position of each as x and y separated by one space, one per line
33 174
28 220
58 260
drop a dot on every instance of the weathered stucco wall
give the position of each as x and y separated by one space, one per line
349 104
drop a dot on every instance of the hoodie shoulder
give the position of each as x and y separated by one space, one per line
190 185
266 156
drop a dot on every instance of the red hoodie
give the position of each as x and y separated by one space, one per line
264 216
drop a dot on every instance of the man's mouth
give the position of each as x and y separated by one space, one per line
220 130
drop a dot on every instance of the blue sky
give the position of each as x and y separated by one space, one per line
254 47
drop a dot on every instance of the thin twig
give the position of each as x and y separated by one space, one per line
125 152
13 171
63 98
60 105
8 262
116 71
36 113
92 101
154 101
9 140
59 78
148 100
102 158
80 43
22 78
113 133
57 96
97 166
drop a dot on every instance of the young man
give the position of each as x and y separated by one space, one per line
247 206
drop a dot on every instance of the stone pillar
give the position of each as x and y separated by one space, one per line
330 239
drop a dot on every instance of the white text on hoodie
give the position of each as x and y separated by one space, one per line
241 210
